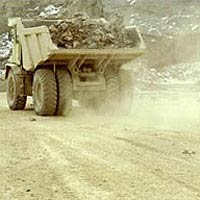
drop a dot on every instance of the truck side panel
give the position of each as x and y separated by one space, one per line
37 48
36 44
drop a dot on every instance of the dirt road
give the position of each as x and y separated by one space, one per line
153 154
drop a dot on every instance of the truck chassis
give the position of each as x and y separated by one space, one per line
54 77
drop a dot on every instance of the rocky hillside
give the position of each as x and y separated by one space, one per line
161 23
50 8
155 17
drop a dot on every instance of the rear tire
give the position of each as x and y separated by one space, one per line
126 91
64 92
15 101
44 92
112 92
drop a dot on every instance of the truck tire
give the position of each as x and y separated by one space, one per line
112 92
126 91
64 92
44 92
15 101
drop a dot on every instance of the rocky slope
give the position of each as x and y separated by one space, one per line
161 23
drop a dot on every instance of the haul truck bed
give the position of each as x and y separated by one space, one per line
117 55
35 57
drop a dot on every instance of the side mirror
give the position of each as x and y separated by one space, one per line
10 35
2 75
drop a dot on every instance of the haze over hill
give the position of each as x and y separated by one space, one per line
160 22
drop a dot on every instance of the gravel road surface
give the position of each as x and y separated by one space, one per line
153 154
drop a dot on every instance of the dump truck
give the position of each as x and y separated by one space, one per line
54 77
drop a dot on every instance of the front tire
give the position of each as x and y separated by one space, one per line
15 101
44 92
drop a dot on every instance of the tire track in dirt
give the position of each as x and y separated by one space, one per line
94 158
27 168
92 171
175 160
146 169
164 160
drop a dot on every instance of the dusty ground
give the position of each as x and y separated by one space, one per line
154 153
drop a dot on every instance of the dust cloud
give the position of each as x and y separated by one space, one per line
167 93
167 77
171 110
174 107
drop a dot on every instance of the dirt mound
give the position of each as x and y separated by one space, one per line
83 32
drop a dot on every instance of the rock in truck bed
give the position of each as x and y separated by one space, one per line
82 32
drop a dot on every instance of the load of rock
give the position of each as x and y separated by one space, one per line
82 32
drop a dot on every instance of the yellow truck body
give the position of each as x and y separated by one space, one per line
37 64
